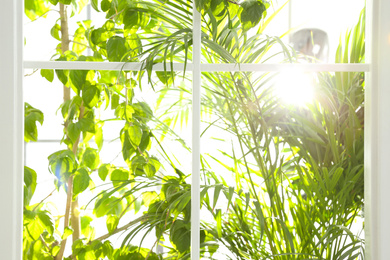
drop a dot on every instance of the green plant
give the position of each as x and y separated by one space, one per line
298 171
292 196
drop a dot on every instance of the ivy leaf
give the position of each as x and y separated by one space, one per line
54 2
202 5
62 164
80 41
73 131
135 134
130 18
116 48
90 158
30 183
35 228
31 116
155 162
148 197
55 250
79 78
145 141
62 75
151 167
143 111
55 31
118 176
67 232
127 148
30 178
110 205
108 249
150 170
112 222
124 111
99 136
137 165
218 7
90 95
39 224
80 182
33 9
104 170
86 228
94 4
87 125
180 235
105 5
48 74
114 101
251 14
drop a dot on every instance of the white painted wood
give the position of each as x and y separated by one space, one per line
11 129
285 67
195 177
377 131
80 65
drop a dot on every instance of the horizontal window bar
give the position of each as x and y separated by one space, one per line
314 67
310 67
59 141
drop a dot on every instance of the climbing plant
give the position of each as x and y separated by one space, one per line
298 172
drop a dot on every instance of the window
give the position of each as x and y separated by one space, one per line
375 153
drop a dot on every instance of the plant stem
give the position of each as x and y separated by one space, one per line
66 217
131 223
104 237
66 96
51 193
75 217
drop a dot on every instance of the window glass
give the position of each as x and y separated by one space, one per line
282 164
108 153
133 159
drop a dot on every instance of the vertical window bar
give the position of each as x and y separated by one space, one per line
369 137
11 130
195 187
89 17
377 128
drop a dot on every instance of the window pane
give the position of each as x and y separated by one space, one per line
282 158
124 146
109 31
260 32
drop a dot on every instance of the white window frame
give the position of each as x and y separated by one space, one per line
377 123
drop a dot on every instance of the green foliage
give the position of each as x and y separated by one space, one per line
31 117
34 9
298 172
30 183
80 181
251 14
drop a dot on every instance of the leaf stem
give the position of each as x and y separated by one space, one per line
51 193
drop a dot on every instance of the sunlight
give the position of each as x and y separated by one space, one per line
294 87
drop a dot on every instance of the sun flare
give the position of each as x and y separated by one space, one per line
295 87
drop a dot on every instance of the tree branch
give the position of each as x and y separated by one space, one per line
131 223
104 237
32 73
79 43
51 193
66 220
75 217
66 96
